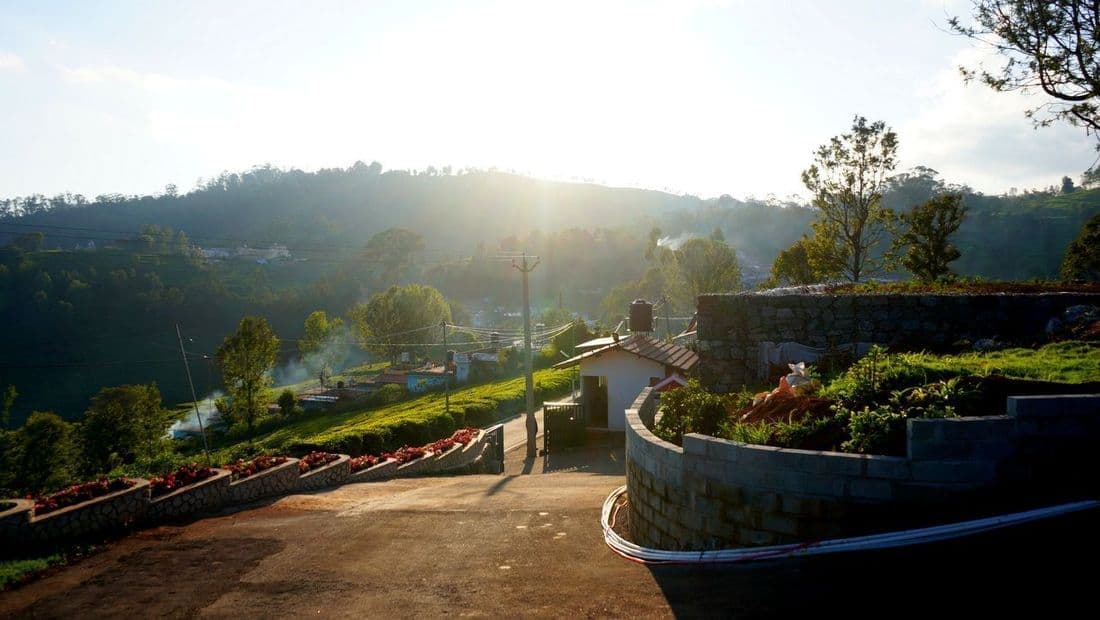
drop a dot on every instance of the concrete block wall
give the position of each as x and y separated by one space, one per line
714 493
111 512
731 327
278 480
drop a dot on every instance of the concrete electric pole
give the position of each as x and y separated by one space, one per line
532 424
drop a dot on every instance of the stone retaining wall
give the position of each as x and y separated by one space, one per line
713 493
19 527
732 327
111 512
16 521
203 496
330 475
279 480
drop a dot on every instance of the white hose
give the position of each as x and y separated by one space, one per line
887 540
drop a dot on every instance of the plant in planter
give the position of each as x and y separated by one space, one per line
6 506
79 493
464 435
405 454
182 477
365 462
315 460
243 469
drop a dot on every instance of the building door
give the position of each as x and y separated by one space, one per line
594 396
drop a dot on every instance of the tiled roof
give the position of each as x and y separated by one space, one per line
667 353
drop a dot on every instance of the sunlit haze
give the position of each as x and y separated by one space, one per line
706 98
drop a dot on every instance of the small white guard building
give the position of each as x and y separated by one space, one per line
614 370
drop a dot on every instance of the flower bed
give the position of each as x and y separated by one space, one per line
90 508
405 454
366 461
323 469
80 493
316 459
243 469
203 494
373 468
186 475
262 477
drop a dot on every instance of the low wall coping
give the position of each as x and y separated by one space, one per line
289 461
21 505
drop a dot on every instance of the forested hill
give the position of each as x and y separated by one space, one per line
78 320
345 206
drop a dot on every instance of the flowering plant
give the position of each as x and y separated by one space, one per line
316 459
404 454
243 469
184 476
365 461
79 493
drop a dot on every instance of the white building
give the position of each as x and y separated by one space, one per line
614 370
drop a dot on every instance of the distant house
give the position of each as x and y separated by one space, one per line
275 252
613 370
474 366
424 379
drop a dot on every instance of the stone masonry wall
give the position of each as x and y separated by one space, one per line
279 480
731 327
206 495
111 512
713 493
330 475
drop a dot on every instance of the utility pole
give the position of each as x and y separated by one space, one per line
194 399
446 371
532 424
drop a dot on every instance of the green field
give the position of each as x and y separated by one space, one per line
1062 362
416 421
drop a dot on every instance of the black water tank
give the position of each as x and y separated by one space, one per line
641 316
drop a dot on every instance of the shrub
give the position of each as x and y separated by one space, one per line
876 431
692 409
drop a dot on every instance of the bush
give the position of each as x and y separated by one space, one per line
692 409
876 431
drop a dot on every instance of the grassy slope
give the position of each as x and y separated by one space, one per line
1063 362
423 418
14 571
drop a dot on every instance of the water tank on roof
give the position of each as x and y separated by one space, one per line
641 316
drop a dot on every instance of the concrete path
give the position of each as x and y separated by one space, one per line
525 545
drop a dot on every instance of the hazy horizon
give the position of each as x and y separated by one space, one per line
703 98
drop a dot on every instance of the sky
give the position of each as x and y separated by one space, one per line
700 97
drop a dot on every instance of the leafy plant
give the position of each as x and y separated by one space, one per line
79 493
691 409
315 460
182 477
876 431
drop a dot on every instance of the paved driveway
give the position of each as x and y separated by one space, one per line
527 544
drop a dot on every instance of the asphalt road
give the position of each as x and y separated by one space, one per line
527 543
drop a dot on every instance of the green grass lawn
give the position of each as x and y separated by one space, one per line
14 571
1062 362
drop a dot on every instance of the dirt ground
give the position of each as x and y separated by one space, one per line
527 543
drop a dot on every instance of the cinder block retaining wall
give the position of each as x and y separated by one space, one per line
713 493
731 327
19 528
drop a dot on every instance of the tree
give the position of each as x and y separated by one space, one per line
7 400
245 358
1048 46
288 403
1090 178
1067 186
402 314
1082 258
808 261
926 237
708 266
121 425
848 178
45 455
324 345
389 255
29 242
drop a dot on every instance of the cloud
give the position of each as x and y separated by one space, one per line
977 136
11 62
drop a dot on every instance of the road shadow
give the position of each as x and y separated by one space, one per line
1043 567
